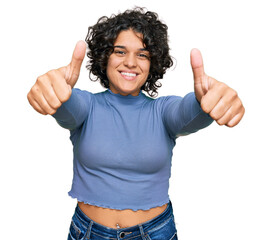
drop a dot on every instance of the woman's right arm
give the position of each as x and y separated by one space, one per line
54 88
72 113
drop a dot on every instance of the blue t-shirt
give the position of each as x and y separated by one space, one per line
122 145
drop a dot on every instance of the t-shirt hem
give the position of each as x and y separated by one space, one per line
159 204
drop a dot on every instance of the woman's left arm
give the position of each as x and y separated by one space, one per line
216 98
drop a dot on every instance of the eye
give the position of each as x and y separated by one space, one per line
119 52
143 55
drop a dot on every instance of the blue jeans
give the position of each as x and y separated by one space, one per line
161 227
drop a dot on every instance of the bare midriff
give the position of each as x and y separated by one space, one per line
119 218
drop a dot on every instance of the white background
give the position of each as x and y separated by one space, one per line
221 184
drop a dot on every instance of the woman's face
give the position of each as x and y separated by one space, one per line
129 64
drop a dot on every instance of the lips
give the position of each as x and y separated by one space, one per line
128 75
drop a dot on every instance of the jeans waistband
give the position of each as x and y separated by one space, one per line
125 233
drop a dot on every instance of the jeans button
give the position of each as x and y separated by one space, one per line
122 235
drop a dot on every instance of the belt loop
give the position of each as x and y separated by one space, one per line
142 232
88 233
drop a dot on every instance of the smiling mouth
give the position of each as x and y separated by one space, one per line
128 75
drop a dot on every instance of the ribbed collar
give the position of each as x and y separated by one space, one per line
124 100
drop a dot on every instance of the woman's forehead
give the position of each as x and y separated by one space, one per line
129 38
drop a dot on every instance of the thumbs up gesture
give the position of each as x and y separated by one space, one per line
216 98
55 87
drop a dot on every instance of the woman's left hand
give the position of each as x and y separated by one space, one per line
216 98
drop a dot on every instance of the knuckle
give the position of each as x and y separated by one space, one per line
51 73
39 77
34 89
238 105
33 92
204 107
222 86
233 94
46 77
40 80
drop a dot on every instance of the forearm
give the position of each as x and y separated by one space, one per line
184 116
195 117
73 112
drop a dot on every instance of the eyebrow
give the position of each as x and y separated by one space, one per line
123 47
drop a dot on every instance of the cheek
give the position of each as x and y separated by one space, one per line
146 68
110 67
114 62
109 64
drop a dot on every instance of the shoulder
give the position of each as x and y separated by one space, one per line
166 100
87 94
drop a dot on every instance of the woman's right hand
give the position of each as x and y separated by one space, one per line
55 87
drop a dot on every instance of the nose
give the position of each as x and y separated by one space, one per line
130 61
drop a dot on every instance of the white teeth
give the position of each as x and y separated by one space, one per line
129 74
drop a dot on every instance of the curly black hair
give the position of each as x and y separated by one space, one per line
102 35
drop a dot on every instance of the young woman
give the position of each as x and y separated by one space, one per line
123 139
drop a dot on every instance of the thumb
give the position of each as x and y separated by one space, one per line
73 69
197 65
